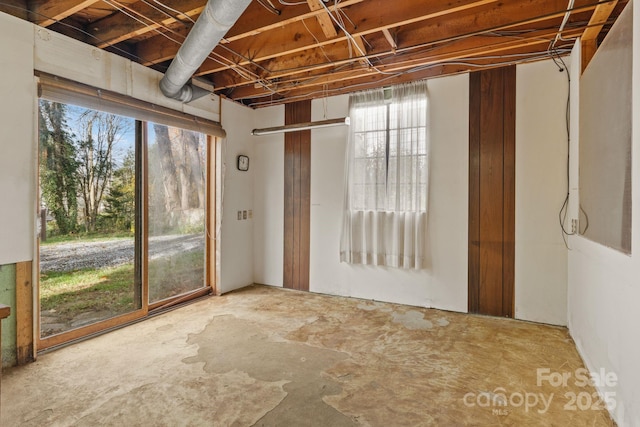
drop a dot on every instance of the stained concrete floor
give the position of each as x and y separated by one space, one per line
270 357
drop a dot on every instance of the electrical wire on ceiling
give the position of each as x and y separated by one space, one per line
165 13
317 41
285 3
234 65
344 14
433 44
243 72
343 64
363 55
187 17
154 26
270 7
535 56
565 21
293 84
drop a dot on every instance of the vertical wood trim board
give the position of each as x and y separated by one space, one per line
211 210
492 191
474 190
509 195
24 314
297 198
5 311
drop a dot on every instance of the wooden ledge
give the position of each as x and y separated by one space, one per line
5 311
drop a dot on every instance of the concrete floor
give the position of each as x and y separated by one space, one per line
269 357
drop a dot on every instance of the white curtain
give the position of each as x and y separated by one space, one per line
386 196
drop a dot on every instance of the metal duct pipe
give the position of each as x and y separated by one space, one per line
214 22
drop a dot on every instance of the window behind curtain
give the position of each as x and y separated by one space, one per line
389 170
387 177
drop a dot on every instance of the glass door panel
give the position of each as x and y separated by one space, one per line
87 226
176 211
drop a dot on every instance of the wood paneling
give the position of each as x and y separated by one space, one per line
474 189
491 178
24 314
297 198
492 191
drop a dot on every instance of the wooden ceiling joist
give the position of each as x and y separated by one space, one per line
276 44
511 17
325 21
389 38
119 27
590 36
294 37
472 48
425 36
360 83
599 18
50 11
360 50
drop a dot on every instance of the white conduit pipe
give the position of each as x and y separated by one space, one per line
564 22
214 22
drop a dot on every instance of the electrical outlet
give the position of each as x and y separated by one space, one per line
574 225
239 215
244 214
250 214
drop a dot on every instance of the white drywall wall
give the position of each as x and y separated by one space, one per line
66 57
604 284
268 198
236 250
17 141
541 187
444 283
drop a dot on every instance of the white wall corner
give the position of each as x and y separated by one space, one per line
541 188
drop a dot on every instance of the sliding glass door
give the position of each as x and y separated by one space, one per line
122 221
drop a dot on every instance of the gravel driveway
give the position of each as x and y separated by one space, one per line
70 256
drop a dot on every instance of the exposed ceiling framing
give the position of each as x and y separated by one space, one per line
287 50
